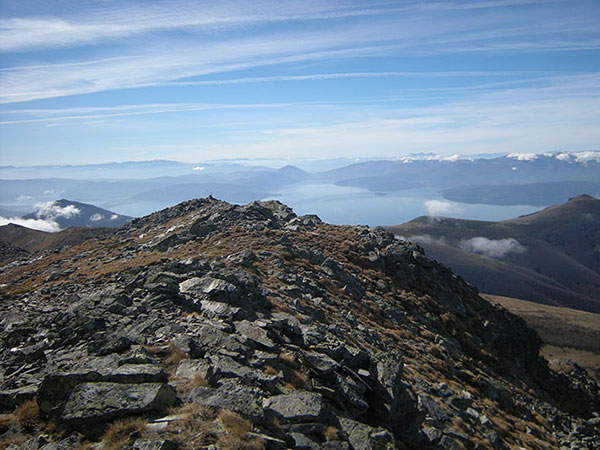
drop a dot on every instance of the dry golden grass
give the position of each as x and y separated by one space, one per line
270 370
17 440
28 414
299 380
185 385
122 433
235 424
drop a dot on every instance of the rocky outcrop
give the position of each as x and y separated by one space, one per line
318 336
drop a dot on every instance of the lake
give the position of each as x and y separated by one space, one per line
353 206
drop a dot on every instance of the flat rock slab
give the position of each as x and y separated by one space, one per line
105 401
320 363
297 407
209 288
244 400
189 368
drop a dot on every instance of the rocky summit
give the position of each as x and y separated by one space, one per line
211 325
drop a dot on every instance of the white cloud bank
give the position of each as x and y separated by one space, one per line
439 207
493 248
48 225
53 211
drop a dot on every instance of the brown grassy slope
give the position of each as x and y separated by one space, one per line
566 333
39 241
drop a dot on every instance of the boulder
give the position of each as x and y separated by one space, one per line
189 368
244 400
320 363
298 407
365 437
102 401
256 334
209 288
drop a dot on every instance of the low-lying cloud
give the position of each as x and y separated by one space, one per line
52 211
494 248
439 207
48 225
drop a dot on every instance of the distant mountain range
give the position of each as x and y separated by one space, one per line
550 257
138 188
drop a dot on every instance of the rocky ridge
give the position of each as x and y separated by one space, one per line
249 327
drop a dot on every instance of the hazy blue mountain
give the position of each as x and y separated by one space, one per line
506 170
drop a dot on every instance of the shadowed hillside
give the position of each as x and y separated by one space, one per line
550 257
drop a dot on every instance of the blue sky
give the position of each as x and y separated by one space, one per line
90 82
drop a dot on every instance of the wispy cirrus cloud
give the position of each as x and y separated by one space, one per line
163 43
236 78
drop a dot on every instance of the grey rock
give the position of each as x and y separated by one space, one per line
210 289
298 407
256 334
138 355
351 393
432 410
154 444
302 442
11 398
462 400
189 345
387 370
213 340
220 310
448 443
106 401
105 344
189 368
56 389
320 363
244 400
65 444
362 436
226 367
433 435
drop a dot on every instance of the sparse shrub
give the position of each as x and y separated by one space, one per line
28 414
122 432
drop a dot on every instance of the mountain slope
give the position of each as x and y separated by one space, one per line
68 213
565 333
30 241
306 335
548 257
